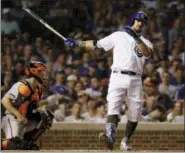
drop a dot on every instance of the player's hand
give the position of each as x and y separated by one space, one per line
131 32
71 43
21 119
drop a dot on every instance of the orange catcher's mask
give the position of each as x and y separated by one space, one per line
38 70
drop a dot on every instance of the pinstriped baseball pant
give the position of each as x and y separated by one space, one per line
125 90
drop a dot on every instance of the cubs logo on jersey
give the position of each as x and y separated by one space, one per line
138 52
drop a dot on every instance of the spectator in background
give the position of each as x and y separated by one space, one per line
84 68
178 79
59 79
79 86
58 115
100 112
92 69
18 53
180 93
154 98
25 38
177 114
38 44
18 72
82 98
76 56
27 52
7 82
175 51
175 63
59 64
174 32
158 114
164 65
68 70
8 26
71 81
167 88
102 71
94 90
85 80
90 115
149 68
76 114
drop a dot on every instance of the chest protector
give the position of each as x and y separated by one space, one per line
27 98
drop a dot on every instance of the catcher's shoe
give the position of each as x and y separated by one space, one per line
125 144
108 144
33 146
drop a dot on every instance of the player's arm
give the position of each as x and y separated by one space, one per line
87 45
145 50
106 43
7 103
17 94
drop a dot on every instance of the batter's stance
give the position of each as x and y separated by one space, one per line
129 52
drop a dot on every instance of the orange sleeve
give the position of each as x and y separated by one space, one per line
24 90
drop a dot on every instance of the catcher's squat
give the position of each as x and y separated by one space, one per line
129 52
21 122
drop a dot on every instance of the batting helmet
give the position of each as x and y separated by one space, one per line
37 70
140 16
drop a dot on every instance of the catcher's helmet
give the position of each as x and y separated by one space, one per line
140 16
37 70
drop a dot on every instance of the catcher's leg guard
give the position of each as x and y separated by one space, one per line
34 134
14 143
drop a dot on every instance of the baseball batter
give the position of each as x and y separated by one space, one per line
21 122
129 52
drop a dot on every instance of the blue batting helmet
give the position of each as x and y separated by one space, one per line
140 16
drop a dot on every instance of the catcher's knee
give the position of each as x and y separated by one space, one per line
114 119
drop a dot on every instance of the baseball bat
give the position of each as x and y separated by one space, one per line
35 16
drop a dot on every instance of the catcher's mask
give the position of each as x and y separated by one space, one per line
38 70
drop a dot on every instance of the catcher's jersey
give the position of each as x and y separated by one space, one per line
21 95
126 55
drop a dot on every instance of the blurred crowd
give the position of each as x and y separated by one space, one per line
79 80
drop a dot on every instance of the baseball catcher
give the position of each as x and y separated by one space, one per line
22 123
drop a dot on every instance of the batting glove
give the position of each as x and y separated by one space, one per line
71 43
131 32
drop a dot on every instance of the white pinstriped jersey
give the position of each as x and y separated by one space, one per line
125 54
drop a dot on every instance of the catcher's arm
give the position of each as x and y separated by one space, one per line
7 104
